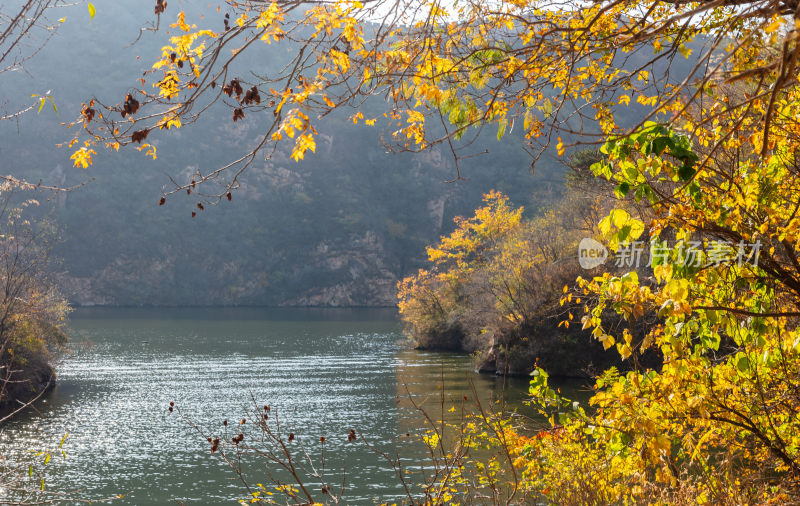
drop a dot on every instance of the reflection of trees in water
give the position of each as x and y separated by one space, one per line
445 387
439 382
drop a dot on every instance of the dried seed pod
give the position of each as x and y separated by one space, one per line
130 106
88 112
139 135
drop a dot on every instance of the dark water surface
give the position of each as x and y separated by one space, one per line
326 371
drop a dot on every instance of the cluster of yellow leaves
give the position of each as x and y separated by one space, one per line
270 22
149 150
496 266
727 390
479 243
478 62
182 48
83 157
488 227
297 123
170 120
726 329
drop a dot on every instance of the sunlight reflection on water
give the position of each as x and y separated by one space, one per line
326 371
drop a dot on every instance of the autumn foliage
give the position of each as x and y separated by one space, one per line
32 311
493 284
711 159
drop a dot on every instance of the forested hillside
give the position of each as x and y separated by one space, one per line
339 228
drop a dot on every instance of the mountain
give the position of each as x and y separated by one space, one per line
338 229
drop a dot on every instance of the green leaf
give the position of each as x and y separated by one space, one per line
547 108
686 172
659 144
651 195
538 382
92 11
630 169
501 128
742 363
601 168
630 278
622 189
666 308
711 340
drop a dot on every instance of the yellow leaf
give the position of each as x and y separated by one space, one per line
607 341
151 150
678 288
83 157
772 27
304 143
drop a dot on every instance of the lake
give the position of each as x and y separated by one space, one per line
324 371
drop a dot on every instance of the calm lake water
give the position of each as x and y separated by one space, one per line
325 371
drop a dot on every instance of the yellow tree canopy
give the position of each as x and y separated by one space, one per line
559 71
712 153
